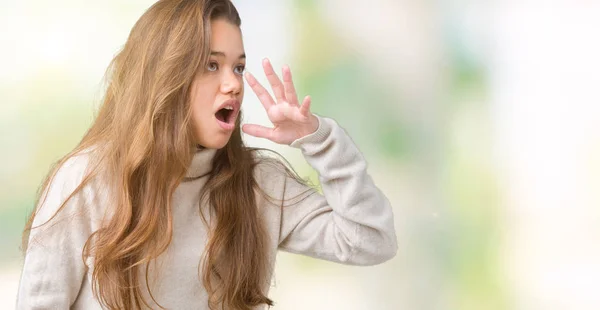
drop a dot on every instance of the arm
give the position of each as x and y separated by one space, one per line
53 269
352 222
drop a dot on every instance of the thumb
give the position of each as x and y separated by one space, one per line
257 131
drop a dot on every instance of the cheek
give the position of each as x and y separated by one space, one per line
202 100
242 87
200 118
201 108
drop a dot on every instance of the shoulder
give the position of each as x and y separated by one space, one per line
269 170
72 171
63 195
278 178
271 166
70 179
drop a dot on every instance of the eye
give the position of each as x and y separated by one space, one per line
239 69
212 66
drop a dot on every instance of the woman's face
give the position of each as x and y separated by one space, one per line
219 85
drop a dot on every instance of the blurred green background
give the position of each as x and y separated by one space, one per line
479 121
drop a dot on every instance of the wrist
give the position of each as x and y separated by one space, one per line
311 127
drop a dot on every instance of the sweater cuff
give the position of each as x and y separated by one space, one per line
319 136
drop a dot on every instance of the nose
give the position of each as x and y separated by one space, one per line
231 83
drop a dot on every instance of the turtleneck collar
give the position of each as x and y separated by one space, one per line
201 163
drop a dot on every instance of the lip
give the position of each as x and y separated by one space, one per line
234 114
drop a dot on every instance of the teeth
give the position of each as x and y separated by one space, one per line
229 108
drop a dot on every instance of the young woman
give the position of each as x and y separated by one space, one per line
161 205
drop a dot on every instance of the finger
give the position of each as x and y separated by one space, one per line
288 85
274 80
305 107
262 94
258 131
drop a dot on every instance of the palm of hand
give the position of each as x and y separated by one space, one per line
291 120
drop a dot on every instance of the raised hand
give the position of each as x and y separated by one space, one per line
291 120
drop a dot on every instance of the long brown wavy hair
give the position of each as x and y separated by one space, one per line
143 144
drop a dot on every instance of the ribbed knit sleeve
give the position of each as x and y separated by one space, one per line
53 269
352 222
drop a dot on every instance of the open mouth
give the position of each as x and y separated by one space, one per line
225 115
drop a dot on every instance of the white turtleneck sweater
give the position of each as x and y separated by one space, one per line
352 223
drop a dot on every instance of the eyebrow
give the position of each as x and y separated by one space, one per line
217 53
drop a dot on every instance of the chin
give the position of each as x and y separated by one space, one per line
215 143
221 145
